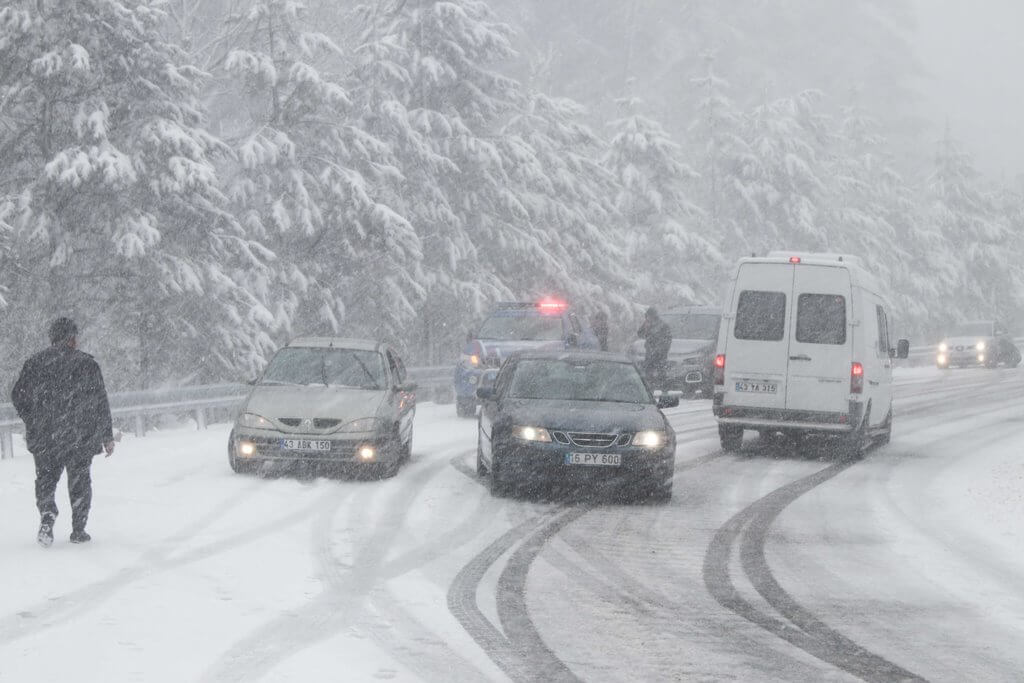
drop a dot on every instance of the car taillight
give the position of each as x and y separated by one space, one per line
856 378
720 369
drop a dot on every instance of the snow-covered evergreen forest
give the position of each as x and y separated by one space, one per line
196 181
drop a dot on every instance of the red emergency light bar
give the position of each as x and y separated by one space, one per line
794 259
550 305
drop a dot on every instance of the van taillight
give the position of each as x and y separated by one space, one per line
856 378
720 369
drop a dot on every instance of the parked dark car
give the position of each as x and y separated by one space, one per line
577 418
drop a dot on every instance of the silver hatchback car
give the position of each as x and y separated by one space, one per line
343 403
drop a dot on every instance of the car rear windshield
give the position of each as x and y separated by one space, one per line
692 325
331 367
973 330
528 327
573 380
760 316
821 319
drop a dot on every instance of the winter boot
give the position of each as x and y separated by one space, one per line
79 536
45 536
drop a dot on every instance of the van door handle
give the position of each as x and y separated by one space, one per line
873 383
800 357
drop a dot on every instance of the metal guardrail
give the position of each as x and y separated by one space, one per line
205 403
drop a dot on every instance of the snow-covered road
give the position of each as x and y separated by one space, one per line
774 564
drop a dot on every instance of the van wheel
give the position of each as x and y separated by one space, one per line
731 438
856 441
886 436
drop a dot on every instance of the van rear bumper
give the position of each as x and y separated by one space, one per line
802 420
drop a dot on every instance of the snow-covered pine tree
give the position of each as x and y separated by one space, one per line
975 237
674 264
780 178
719 147
438 59
119 218
578 233
316 189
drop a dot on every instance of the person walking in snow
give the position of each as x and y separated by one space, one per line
61 398
599 323
657 336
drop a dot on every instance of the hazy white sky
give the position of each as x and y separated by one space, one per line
974 53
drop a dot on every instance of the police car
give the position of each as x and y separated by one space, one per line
547 324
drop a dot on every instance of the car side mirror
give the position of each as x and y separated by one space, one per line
252 382
667 401
903 349
485 393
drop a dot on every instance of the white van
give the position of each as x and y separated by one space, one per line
804 347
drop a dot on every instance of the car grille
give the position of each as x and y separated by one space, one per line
592 440
318 423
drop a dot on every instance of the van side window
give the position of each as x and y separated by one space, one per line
760 316
883 333
821 319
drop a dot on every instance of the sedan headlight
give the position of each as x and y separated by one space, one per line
254 421
650 439
943 347
532 434
363 424
980 346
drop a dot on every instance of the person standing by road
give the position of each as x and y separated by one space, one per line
657 336
62 400
599 324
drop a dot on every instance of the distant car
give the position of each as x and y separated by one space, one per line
586 419
516 326
692 355
978 343
331 402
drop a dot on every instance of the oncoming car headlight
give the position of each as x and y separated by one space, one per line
980 346
649 439
943 347
363 424
532 434
254 421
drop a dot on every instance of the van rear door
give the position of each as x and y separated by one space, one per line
821 340
757 343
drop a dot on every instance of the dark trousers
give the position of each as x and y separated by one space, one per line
656 372
48 470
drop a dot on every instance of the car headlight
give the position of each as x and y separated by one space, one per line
941 359
254 421
532 434
363 424
943 347
980 346
650 439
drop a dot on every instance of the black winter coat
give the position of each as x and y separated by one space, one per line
657 336
61 397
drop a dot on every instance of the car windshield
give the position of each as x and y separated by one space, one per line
327 366
972 330
578 380
692 325
523 327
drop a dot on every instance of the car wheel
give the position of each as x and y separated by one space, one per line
731 438
481 469
465 407
407 448
500 485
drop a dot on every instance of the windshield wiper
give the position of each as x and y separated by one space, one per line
367 371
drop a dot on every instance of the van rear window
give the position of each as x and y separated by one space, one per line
821 319
760 316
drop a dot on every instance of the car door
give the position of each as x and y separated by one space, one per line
489 412
756 345
820 340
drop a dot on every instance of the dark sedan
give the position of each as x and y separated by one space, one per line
578 418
